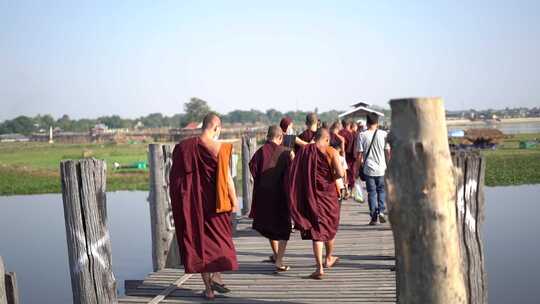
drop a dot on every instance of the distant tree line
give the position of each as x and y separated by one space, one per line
194 110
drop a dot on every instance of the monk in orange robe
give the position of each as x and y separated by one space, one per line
202 198
269 209
313 200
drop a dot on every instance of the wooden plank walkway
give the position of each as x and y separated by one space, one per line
362 276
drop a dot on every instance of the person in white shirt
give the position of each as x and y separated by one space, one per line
372 161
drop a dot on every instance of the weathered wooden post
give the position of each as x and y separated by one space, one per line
3 296
88 242
421 200
165 253
9 292
248 149
469 175
12 290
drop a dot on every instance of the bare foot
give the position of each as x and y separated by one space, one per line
331 261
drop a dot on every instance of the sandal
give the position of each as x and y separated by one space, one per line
316 275
219 287
283 268
271 259
206 297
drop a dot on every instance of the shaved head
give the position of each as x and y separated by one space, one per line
322 134
346 123
274 132
311 119
210 121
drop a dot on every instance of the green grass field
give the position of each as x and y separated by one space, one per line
28 168
509 165
31 168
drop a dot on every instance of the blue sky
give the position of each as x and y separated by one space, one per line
132 58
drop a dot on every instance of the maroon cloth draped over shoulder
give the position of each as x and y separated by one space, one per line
204 236
335 141
269 208
306 136
350 154
313 200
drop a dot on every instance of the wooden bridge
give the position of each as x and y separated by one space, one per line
363 274
440 247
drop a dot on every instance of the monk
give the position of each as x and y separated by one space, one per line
311 127
290 139
350 155
202 198
269 209
337 140
313 200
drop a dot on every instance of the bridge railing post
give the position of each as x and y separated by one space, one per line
421 200
88 241
469 176
9 292
248 149
165 252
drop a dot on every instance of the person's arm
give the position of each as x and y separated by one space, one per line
336 164
232 189
359 154
232 193
387 150
342 139
299 142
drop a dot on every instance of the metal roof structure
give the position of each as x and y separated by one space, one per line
360 110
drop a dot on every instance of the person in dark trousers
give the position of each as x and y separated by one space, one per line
373 151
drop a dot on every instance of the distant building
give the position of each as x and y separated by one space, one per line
359 111
14 137
99 129
193 126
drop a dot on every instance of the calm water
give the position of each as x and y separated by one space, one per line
33 244
506 128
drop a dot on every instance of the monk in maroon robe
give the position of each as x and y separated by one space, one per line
350 155
269 209
309 133
313 200
204 235
289 139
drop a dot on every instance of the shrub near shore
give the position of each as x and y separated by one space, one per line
32 168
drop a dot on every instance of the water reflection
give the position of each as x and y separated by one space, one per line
33 243
512 241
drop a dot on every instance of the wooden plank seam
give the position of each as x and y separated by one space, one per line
157 299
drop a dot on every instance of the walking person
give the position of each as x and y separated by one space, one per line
313 199
289 137
202 198
350 156
312 123
373 151
270 210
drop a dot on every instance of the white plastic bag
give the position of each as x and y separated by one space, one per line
358 192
